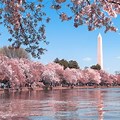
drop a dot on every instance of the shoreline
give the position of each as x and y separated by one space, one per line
52 88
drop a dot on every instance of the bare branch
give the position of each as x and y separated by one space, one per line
88 2
113 2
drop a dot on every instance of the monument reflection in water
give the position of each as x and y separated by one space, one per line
74 104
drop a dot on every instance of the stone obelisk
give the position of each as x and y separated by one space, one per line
100 52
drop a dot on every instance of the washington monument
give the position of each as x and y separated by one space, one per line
100 52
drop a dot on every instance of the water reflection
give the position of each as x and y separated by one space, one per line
74 104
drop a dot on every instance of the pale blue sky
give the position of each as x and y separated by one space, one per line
77 44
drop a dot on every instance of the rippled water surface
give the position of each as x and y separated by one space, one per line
72 104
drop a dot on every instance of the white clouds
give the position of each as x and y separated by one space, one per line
87 59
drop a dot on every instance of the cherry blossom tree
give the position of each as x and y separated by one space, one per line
11 71
5 72
18 77
25 66
81 80
118 79
57 68
94 76
105 78
50 78
82 77
90 77
85 77
20 71
70 76
26 19
32 70
52 74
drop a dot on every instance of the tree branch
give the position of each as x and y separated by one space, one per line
113 2
88 2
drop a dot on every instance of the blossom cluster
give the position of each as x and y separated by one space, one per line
94 14
25 21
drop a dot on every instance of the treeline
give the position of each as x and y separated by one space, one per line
67 64
74 64
12 52
19 73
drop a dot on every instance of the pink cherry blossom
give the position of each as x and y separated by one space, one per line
22 72
70 75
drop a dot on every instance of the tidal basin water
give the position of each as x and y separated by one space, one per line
71 104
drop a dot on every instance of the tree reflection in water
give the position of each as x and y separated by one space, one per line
15 118
74 104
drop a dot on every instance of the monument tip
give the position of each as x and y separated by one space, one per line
99 35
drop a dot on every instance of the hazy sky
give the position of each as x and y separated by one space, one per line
77 44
